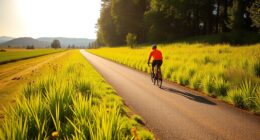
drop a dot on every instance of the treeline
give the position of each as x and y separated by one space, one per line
168 20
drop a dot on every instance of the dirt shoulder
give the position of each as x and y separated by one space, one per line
14 75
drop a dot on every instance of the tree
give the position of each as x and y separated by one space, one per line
225 19
118 18
131 40
55 44
106 34
30 47
254 11
160 21
128 17
169 20
237 15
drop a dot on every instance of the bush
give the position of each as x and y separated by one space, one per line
131 40
30 47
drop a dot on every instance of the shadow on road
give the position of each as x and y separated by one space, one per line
189 96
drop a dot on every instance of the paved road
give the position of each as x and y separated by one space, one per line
175 112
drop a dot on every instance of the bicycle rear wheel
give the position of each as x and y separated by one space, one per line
159 82
155 78
159 79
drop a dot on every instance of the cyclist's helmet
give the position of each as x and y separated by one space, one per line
154 46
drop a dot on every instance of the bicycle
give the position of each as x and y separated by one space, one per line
157 78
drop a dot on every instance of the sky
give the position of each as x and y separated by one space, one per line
49 18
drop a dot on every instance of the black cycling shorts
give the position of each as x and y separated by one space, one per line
157 62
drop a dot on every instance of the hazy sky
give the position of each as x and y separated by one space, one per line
49 18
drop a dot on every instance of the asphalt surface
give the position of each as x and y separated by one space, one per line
175 112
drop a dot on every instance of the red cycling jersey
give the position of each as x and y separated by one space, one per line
156 54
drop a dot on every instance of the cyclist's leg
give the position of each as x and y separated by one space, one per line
159 68
153 65
156 65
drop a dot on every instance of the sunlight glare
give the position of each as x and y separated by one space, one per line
67 18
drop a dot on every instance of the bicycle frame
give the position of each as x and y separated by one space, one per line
157 78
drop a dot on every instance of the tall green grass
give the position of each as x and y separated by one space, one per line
71 101
247 95
216 70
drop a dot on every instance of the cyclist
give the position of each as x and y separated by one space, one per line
157 58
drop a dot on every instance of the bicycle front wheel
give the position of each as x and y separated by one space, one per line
152 77
155 80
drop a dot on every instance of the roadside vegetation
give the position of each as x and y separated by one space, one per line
10 55
229 73
14 75
70 101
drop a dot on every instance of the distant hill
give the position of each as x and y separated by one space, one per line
25 41
79 42
5 39
43 41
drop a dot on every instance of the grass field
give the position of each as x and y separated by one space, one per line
70 101
229 73
10 55
14 75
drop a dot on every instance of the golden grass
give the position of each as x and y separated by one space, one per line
22 72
